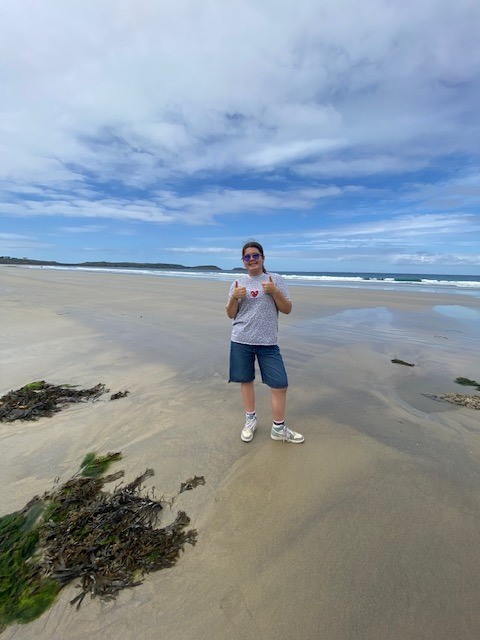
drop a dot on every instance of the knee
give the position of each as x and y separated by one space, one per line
279 392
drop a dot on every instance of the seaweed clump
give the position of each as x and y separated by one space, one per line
397 361
461 399
119 394
107 541
466 382
42 399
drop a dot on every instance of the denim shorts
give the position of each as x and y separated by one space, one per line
242 364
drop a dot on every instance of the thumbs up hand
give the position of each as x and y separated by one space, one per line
270 287
240 293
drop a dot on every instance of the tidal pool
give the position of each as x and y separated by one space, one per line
458 312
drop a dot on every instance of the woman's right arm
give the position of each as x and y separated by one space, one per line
232 307
238 293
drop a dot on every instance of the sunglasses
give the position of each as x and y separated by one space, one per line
251 256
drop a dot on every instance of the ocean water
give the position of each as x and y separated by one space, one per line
466 284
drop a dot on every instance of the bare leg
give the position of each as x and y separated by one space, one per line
248 395
279 401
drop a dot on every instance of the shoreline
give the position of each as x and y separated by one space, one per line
371 526
368 281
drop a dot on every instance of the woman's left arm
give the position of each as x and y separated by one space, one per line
283 303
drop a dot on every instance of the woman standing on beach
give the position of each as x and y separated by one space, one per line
253 304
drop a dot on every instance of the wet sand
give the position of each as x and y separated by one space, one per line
369 530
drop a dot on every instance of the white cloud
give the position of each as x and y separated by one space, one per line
11 242
464 185
281 154
145 90
12 236
451 240
224 251
87 228
404 227
365 166
167 207
436 259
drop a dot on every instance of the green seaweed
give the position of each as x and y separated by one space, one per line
33 386
24 592
78 531
466 382
94 466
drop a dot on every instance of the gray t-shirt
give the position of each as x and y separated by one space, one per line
257 319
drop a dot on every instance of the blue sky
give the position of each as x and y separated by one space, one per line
342 135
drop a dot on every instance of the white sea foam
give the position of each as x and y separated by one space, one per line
416 282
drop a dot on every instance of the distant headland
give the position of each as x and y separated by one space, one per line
108 265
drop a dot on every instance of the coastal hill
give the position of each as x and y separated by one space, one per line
107 265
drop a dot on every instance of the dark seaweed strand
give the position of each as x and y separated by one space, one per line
397 361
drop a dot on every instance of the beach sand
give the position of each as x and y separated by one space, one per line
368 530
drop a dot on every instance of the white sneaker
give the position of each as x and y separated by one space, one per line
285 434
249 429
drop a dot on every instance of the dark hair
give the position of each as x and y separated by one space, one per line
254 245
